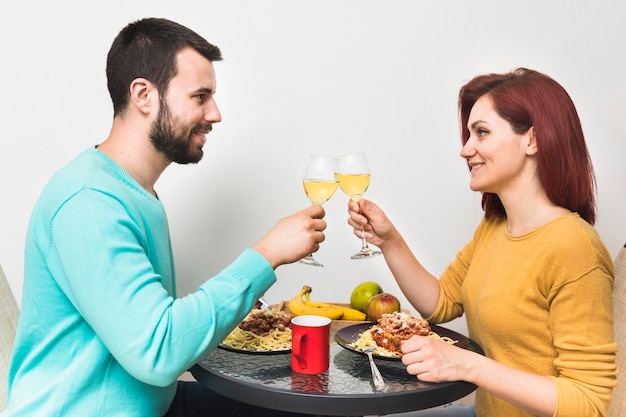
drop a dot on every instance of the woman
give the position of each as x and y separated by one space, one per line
535 281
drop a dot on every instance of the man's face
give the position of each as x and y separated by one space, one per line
187 111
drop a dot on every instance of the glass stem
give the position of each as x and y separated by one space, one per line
364 245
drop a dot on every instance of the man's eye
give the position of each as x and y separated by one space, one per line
201 98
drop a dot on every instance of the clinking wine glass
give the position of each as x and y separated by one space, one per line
354 179
320 183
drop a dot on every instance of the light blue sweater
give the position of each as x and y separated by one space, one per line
101 332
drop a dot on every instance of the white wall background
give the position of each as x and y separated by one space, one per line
303 77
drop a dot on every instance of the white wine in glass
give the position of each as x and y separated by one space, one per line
354 176
320 183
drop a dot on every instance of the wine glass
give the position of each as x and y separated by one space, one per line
354 177
320 183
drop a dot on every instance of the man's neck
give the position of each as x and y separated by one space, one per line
136 155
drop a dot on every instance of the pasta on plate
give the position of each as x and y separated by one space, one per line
261 331
391 329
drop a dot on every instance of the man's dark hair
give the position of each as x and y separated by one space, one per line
147 49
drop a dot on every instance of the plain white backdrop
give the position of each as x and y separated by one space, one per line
310 77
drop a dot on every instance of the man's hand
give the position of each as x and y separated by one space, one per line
293 237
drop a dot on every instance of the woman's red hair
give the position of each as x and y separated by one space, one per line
527 98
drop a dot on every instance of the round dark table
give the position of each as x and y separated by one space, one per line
346 389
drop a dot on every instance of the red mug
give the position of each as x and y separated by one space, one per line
310 344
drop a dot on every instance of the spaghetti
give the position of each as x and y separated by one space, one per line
275 339
261 330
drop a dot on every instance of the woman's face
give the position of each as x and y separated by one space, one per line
497 157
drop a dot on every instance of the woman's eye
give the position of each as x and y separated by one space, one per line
482 132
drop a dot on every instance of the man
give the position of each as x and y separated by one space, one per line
101 332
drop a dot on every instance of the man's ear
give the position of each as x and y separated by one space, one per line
143 95
531 146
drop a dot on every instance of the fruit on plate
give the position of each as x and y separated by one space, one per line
380 304
352 314
362 294
301 305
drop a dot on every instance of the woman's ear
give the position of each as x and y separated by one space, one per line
531 145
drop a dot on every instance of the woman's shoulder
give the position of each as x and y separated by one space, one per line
575 242
572 229
569 238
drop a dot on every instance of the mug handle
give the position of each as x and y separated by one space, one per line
296 348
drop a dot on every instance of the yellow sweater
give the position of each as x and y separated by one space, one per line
542 303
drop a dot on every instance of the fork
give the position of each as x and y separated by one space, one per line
379 382
264 303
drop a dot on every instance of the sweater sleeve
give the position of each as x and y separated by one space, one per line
104 261
450 304
583 338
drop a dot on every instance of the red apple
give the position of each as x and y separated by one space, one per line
381 304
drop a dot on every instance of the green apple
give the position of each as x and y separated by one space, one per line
362 294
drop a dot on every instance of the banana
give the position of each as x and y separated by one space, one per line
352 314
298 306
301 304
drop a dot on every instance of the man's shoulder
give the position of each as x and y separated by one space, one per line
94 171
88 179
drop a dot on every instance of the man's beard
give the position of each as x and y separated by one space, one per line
175 146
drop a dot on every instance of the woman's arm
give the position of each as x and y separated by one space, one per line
419 286
435 361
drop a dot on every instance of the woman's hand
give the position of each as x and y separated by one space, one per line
366 217
432 360
418 285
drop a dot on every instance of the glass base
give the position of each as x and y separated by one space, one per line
308 260
366 253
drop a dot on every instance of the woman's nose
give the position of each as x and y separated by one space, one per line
468 149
